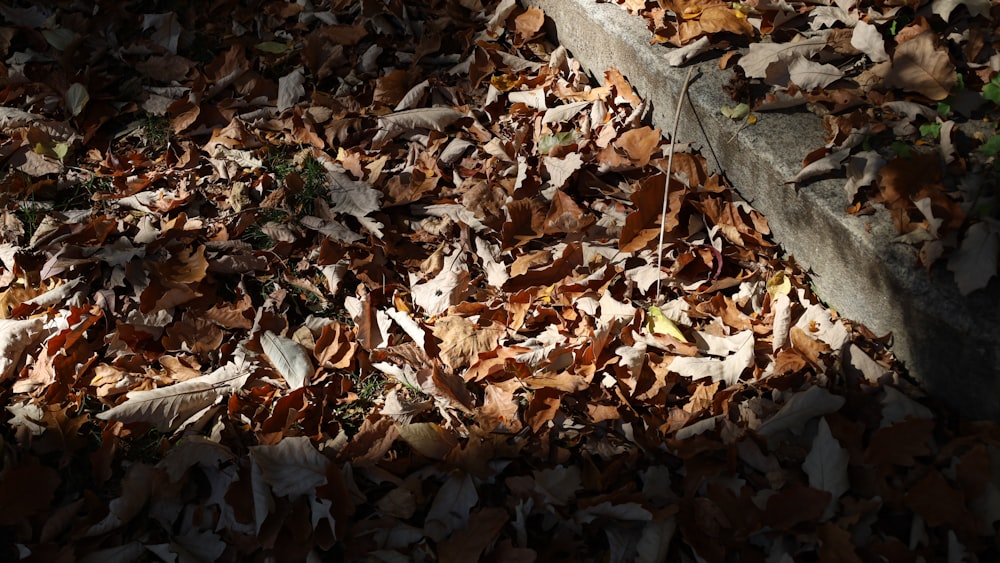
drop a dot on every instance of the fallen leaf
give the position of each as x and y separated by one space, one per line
291 88
868 39
292 467
729 369
170 407
825 165
975 262
76 98
392 125
945 8
826 466
809 75
462 340
800 409
288 357
451 506
918 65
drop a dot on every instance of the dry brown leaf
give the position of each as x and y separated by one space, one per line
918 65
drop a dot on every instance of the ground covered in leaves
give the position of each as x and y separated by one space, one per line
909 92
375 280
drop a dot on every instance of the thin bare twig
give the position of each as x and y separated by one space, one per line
666 189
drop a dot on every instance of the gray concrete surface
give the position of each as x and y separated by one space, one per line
949 342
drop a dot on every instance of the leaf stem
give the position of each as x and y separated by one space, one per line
666 188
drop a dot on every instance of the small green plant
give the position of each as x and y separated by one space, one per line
991 147
991 91
901 149
314 186
254 234
932 130
300 171
155 131
31 213
369 389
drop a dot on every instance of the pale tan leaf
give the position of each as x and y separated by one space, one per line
451 506
76 98
729 369
896 407
975 261
868 39
462 340
800 409
763 56
918 65
288 357
167 30
827 164
809 75
356 198
428 438
292 467
192 451
16 338
560 169
447 288
826 464
782 307
291 88
862 170
564 112
169 407
435 118
944 8
681 55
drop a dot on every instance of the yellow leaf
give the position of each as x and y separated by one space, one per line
779 284
60 150
658 323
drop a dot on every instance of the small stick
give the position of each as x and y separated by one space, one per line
666 189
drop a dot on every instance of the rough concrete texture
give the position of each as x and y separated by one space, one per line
951 343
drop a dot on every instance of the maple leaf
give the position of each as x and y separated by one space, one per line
447 288
868 39
291 88
451 507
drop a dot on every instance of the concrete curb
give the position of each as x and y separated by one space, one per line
950 342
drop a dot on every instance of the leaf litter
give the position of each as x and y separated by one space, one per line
857 64
322 286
